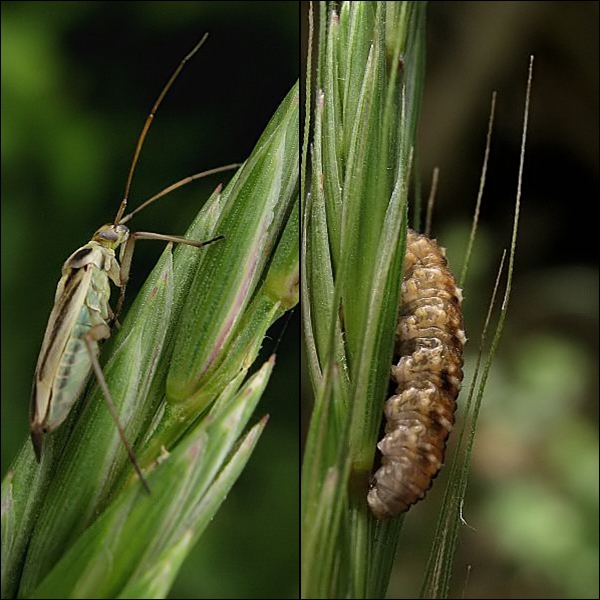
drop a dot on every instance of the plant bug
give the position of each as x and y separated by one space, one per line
81 316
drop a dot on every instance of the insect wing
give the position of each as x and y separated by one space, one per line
64 363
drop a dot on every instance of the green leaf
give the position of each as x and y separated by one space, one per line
255 208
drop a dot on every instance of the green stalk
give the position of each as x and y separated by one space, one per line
367 97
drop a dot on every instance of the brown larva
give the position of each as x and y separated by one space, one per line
420 415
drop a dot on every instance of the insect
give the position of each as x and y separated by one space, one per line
428 376
81 317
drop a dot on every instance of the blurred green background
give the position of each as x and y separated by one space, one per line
78 80
533 494
532 502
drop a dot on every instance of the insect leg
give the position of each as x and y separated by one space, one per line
96 333
36 441
127 255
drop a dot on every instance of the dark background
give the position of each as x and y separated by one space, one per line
532 502
78 80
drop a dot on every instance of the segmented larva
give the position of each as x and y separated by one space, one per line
420 415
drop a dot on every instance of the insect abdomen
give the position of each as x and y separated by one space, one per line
420 415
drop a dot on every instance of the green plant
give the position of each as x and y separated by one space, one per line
80 525
369 82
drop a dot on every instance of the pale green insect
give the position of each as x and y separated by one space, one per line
81 316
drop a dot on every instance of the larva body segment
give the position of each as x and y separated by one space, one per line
428 375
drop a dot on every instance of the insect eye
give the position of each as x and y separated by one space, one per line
110 235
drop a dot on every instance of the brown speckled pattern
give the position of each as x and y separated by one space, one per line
428 375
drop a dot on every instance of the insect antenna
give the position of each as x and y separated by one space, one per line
148 123
173 187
